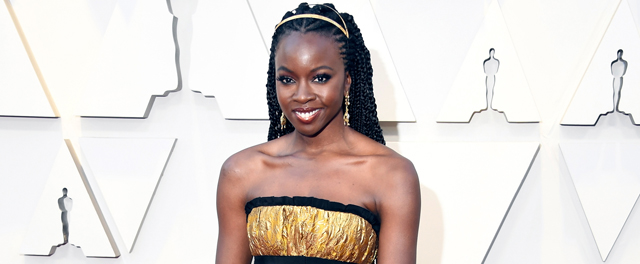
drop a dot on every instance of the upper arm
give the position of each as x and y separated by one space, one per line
233 243
399 209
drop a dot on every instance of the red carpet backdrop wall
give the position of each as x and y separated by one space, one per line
515 113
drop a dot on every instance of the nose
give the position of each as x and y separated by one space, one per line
304 93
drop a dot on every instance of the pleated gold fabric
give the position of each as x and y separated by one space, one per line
288 230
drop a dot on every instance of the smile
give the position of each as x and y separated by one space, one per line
306 116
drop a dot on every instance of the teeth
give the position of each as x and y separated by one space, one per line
306 115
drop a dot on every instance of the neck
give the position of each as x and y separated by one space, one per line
331 137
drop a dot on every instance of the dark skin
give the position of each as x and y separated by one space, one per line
322 158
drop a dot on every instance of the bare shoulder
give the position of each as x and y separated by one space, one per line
394 170
389 171
247 163
386 162
397 203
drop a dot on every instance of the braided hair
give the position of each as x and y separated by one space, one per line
357 61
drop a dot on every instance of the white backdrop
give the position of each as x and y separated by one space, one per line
536 208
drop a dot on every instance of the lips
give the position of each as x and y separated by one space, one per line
306 115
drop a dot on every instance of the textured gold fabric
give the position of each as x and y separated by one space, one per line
286 230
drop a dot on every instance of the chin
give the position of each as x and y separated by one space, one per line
308 133
309 130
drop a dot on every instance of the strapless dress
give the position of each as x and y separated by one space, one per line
309 230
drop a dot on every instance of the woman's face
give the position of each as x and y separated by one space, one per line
311 81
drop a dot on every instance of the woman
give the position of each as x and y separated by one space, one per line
324 188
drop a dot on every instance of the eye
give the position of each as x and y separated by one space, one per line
322 78
285 80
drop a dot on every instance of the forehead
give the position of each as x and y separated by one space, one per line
307 48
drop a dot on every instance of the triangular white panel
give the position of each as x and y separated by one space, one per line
136 60
127 171
20 91
216 67
607 179
467 188
511 91
85 226
594 95
390 97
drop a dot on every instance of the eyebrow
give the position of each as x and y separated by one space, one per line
283 68
322 67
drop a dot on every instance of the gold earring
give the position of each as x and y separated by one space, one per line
283 121
346 110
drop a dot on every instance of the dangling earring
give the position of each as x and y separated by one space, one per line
346 110
283 121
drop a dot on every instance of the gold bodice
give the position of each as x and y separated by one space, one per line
311 227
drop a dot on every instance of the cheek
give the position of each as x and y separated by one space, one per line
333 96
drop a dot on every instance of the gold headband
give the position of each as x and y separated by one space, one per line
343 29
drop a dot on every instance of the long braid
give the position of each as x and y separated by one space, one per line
357 59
